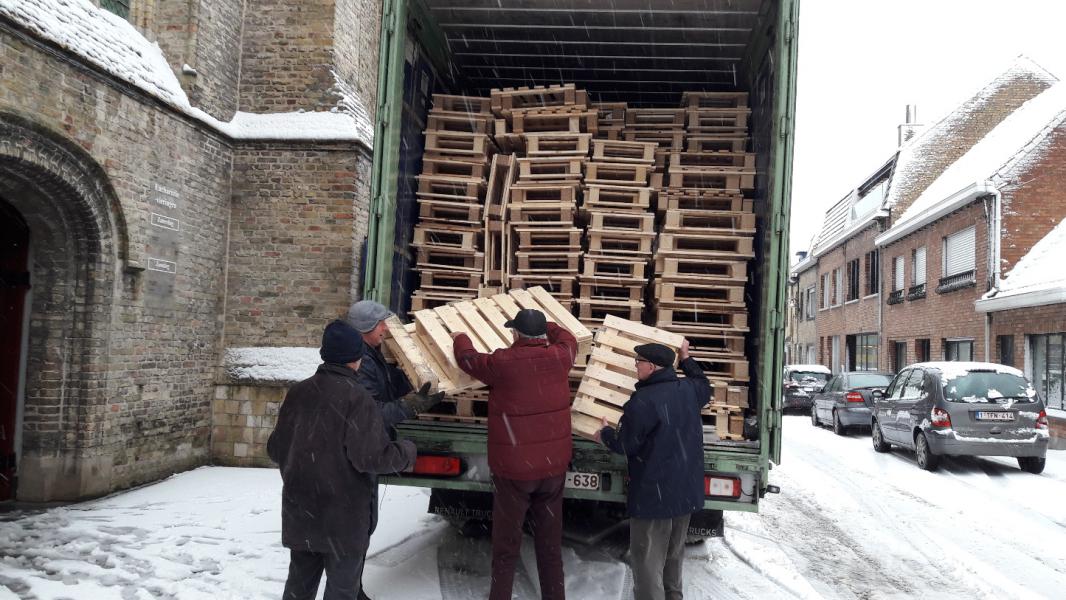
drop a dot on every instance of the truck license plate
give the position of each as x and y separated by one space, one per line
984 415
582 481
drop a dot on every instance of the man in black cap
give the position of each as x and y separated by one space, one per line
529 444
661 435
330 443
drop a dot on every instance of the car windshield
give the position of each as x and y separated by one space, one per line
988 386
808 376
869 380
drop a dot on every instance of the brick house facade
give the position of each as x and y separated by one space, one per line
803 298
155 235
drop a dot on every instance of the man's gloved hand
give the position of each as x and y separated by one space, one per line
420 401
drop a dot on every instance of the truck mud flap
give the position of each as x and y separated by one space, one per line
706 524
460 505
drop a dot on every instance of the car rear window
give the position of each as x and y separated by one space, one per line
803 376
988 386
869 380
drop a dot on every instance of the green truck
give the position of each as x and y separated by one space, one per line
639 51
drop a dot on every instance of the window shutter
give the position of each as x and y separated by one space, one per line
919 266
898 268
960 252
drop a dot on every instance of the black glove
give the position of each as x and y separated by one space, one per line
421 400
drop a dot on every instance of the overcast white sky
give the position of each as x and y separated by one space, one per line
862 61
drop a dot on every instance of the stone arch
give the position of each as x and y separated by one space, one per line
78 251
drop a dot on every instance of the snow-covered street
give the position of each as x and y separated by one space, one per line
849 523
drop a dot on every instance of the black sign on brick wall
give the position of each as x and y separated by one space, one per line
164 242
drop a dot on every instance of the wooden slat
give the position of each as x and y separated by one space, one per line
410 352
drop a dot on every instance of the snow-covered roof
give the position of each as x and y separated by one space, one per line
1007 147
112 44
924 153
1037 279
276 365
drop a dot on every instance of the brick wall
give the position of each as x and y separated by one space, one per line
850 317
935 317
243 417
1034 199
298 217
356 40
806 331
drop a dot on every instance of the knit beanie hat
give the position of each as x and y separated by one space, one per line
341 344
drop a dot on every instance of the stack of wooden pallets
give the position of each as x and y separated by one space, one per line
423 348
620 231
449 236
705 242
611 120
549 129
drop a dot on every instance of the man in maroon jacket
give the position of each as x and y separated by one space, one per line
529 443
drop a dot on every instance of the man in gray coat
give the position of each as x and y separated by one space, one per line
330 443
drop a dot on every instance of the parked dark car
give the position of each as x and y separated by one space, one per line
845 401
800 384
962 409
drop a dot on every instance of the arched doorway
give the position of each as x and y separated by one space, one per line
14 285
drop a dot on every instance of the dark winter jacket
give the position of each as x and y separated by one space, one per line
330 443
661 434
387 385
529 403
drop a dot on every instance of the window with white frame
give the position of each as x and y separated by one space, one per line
825 290
960 254
838 286
918 260
810 303
1048 367
897 273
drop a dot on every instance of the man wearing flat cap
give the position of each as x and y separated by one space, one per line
661 435
330 443
529 443
387 384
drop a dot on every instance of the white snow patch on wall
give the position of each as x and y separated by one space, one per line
265 364
114 45
1040 269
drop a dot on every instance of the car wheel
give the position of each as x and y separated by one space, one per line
814 416
924 454
1032 464
880 445
838 427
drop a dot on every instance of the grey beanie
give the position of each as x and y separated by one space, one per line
366 314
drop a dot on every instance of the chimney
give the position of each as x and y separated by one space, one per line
910 128
802 254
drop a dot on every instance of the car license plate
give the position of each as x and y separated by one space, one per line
582 481
984 415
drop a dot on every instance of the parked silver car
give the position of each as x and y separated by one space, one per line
962 409
799 384
845 401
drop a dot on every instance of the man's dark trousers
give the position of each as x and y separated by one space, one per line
305 571
543 499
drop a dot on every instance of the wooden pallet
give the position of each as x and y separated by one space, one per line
599 288
626 242
457 143
536 121
504 100
690 320
701 270
449 212
625 174
423 299
714 99
433 235
464 104
615 197
592 310
725 344
498 189
561 288
448 258
705 245
725 395
655 118
718 120
729 423
450 188
610 111
448 281
621 221
619 151
718 142
453 167
732 369
705 221
722 178
425 351
700 294
609 132
611 376
541 213
547 238
557 144
495 254
702 199
552 168
531 193
666 139
693 161
547 263
439 120
614 267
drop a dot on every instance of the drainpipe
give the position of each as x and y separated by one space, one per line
995 239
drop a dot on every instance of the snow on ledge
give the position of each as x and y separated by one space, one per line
111 43
274 365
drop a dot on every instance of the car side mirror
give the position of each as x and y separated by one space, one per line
877 395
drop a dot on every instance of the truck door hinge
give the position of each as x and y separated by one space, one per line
782 131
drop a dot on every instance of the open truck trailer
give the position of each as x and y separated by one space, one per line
645 53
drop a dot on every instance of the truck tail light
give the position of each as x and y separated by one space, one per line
854 397
1041 420
940 417
445 466
721 487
